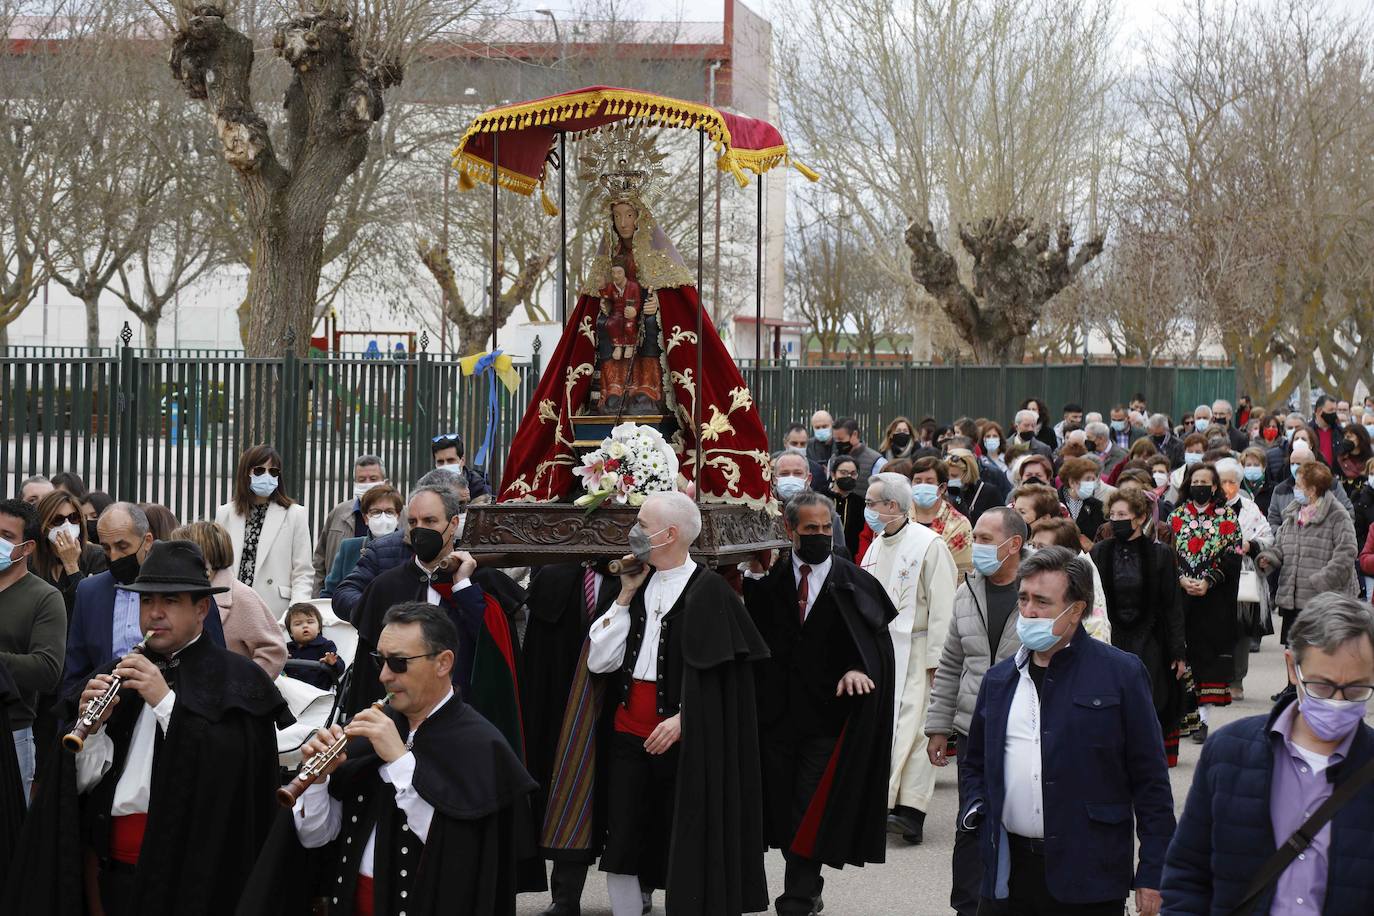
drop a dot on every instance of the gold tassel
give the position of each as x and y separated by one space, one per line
809 173
550 208
465 182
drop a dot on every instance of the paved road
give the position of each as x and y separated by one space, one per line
915 880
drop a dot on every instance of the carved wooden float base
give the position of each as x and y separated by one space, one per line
537 534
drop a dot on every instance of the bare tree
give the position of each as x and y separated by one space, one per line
964 119
344 56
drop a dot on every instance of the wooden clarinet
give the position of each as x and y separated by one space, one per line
623 567
75 739
314 768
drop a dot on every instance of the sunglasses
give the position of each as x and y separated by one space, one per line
73 517
398 664
445 439
261 469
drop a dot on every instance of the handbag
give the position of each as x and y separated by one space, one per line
1250 584
1302 838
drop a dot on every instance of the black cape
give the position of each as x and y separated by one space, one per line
715 865
846 822
464 768
554 634
214 777
12 807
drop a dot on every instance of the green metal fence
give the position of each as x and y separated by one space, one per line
874 395
169 429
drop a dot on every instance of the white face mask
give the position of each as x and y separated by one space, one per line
69 528
381 524
360 488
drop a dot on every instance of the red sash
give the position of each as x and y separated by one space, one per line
362 897
641 717
126 837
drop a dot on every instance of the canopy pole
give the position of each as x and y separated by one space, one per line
563 227
758 278
495 236
701 306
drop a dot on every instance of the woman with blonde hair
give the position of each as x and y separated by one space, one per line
250 629
965 489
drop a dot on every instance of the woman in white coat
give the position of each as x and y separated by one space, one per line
271 533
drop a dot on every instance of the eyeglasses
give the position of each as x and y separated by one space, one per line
445 439
873 503
73 517
1325 690
261 469
398 664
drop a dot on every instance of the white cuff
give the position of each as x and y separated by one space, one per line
163 710
399 772
460 585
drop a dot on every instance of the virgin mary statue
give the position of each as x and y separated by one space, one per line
629 352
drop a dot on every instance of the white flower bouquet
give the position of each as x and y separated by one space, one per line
632 463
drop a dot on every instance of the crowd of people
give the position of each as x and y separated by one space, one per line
1053 605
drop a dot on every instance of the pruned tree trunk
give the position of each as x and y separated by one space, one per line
333 99
1015 272
475 329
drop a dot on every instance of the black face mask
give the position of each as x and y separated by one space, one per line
901 440
125 569
1331 419
92 535
846 484
1201 495
427 543
1122 529
813 549
1030 480
1157 440
1347 446
1026 436
842 448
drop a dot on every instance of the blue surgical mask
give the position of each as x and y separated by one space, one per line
874 520
992 444
1087 488
1299 497
1119 425
1253 474
822 435
956 482
6 549
1369 428
925 494
1192 457
1037 633
985 558
262 484
789 487
1293 470
1201 424
1288 433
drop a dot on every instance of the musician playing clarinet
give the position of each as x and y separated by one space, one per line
166 804
420 808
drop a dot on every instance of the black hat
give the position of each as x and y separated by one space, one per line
174 567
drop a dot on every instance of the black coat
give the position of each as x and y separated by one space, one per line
466 770
554 638
12 807
845 631
715 865
1091 516
212 798
975 500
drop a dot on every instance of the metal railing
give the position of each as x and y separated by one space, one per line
875 394
170 428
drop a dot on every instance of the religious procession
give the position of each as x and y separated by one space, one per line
655 627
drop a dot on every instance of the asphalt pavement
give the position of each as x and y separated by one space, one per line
915 880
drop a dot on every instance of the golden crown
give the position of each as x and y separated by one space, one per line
622 159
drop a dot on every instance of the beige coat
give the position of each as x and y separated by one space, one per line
282 574
250 629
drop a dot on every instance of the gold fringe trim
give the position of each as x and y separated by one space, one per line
653 110
550 207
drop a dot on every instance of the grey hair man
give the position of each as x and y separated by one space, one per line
1098 441
34 488
1162 435
1259 779
1222 416
1035 805
679 713
346 519
983 618
919 574
1025 422
792 478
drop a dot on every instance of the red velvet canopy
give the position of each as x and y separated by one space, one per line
528 130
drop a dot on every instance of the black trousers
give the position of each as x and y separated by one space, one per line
802 882
566 880
639 821
1028 894
117 889
967 862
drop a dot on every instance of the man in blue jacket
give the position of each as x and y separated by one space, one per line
1259 780
1064 745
